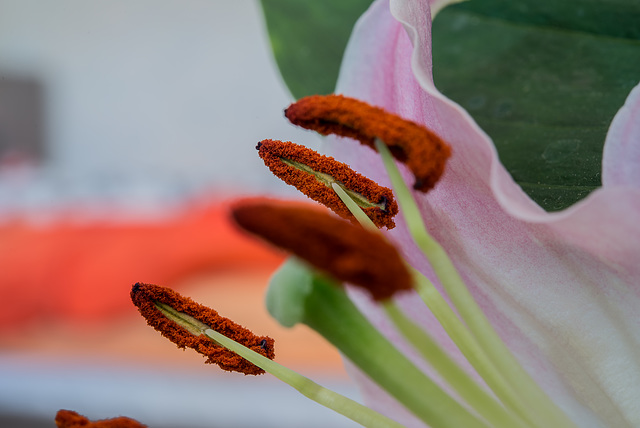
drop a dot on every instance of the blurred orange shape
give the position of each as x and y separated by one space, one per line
84 271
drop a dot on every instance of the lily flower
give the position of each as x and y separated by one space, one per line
562 289
479 309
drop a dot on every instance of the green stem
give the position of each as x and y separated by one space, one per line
328 398
456 330
542 407
462 383
330 312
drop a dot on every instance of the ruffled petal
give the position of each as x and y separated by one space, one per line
621 157
437 5
562 289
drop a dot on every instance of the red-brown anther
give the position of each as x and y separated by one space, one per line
71 419
150 299
347 252
313 173
419 148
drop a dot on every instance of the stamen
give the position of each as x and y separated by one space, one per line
419 148
347 252
71 419
183 321
313 174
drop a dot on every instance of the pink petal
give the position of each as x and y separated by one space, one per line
562 289
621 156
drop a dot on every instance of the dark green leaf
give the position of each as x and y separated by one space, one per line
308 38
544 79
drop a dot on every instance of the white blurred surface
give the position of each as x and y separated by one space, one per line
189 398
145 101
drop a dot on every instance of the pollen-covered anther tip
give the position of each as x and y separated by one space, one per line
71 419
347 252
424 152
183 321
313 174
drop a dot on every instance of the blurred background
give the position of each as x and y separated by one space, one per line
126 128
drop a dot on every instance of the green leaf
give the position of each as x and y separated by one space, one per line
544 78
308 38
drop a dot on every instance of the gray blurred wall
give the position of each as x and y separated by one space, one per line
144 100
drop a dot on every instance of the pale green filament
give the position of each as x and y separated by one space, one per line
329 181
326 397
457 331
467 344
541 406
328 310
464 385
185 321
307 387
354 208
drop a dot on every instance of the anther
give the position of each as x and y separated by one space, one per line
424 153
71 419
345 251
313 174
183 321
